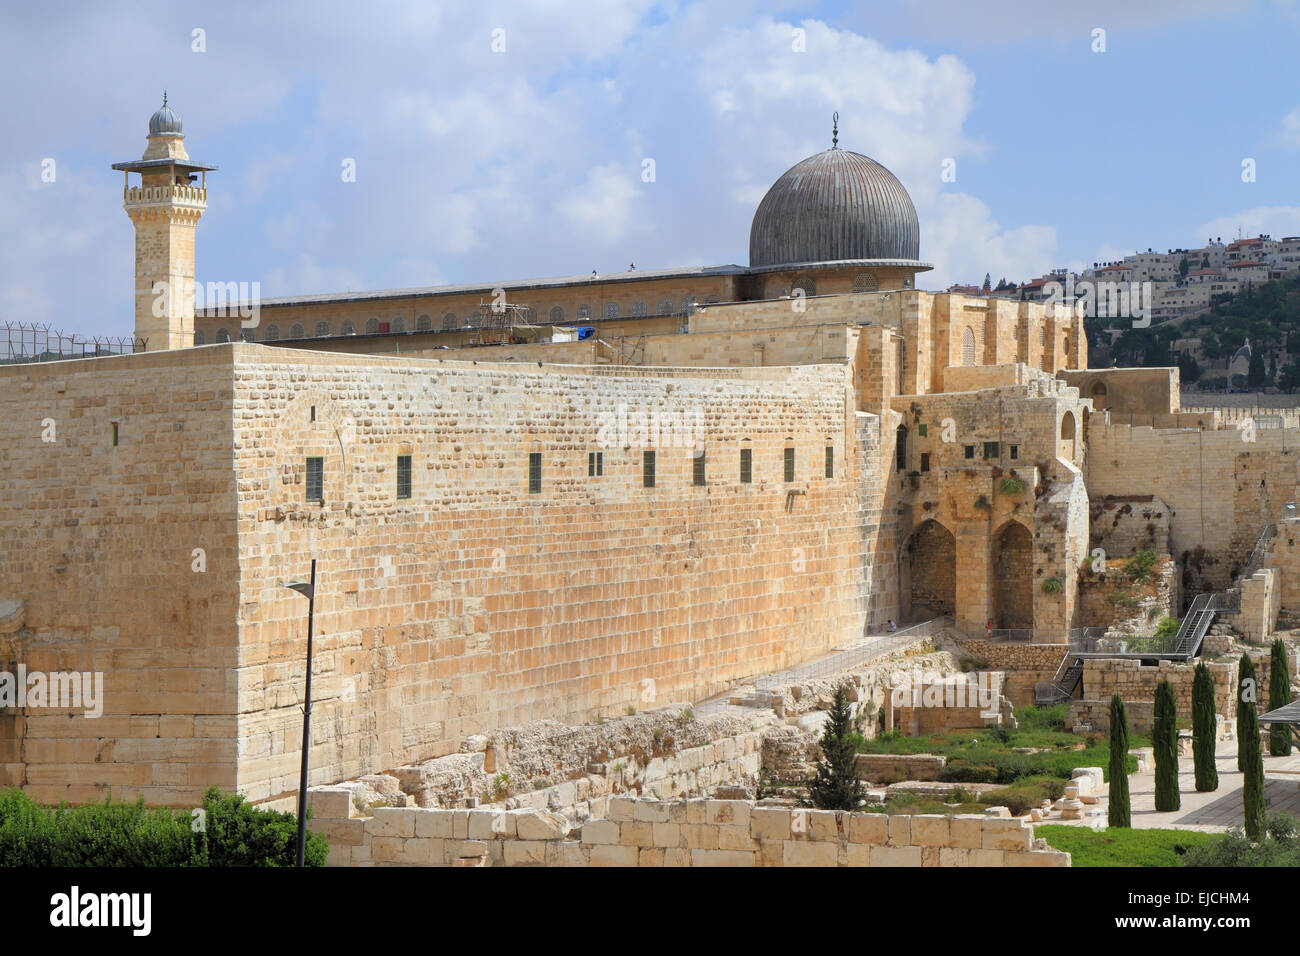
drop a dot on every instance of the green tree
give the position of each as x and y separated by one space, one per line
1249 756
1203 730
1256 374
1117 809
1290 378
836 786
1279 695
1164 740
1247 686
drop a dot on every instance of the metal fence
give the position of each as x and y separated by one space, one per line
874 645
35 342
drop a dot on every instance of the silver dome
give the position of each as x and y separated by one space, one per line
164 122
834 206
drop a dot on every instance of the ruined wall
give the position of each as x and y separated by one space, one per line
98 543
678 833
1104 677
1222 487
1022 664
1123 525
476 604
1127 391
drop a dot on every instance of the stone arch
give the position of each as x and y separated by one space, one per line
199 338
928 573
348 328
1066 447
272 332
967 346
296 331
1011 595
330 435
372 325
557 314
223 335
424 323
1098 394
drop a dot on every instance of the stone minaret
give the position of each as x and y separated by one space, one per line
165 209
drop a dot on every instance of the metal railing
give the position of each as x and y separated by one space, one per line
1258 553
874 645
22 342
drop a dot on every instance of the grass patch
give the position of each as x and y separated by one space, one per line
1123 847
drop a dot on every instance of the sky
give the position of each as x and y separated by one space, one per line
495 141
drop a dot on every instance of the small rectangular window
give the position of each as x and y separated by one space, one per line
535 473
922 430
114 434
600 463
403 476
1015 452
316 479
830 461
699 468
313 413
925 461
991 449
969 451
648 469
789 464
746 465
591 464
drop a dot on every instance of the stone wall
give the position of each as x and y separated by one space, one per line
1123 525
1022 664
1104 677
677 833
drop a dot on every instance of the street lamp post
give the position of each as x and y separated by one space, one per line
308 590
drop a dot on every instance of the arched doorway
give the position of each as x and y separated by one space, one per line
928 573
1098 396
1066 448
1012 591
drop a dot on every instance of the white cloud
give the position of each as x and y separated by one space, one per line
606 203
1291 127
965 242
1277 221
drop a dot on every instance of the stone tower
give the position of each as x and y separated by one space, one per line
165 208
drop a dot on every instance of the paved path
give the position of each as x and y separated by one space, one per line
1212 812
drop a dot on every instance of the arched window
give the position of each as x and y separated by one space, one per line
638 307
272 333
322 328
398 324
688 305
348 328
297 332
1099 395
1066 345
864 282
807 283
424 324
449 321
611 310
557 314
1068 436
584 311
223 335
198 337
665 307
372 325
967 347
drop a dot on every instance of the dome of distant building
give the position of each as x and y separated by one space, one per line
834 206
164 122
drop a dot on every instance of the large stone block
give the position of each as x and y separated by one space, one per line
721 858
810 853
895 856
869 828
770 823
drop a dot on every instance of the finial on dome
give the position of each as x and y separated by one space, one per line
835 128
164 97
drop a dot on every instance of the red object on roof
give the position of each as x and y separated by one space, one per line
1243 265
1244 242
1114 268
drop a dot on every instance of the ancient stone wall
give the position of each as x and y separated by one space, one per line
1104 677
1022 664
678 833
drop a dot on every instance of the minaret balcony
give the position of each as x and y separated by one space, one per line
173 195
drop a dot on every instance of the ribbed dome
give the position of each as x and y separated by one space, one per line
832 206
164 122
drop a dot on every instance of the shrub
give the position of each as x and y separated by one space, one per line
1277 845
127 834
1164 741
1203 730
1042 718
1052 586
1279 694
1117 811
1141 565
1167 627
1011 486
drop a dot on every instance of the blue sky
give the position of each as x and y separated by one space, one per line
475 165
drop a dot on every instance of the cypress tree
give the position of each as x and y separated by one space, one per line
1250 758
1247 686
1117 809
836 786
1164 739
1203 729
1279 695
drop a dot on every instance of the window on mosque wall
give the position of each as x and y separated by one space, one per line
697 468
611 310
424 324
991 449
449 320
968 451
297 332
372 325
864 282
648 469
198 337
688 305
272 333
557 314
967 347
223 335
403 476
746 465
830 461
246 335
665 307
322 328
348 328
789 464
535 473
316 479
398 324
584 311
638 307
925 461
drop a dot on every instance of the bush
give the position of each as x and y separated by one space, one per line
1042 718
1167 627
1278 846
128 834
1141 565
